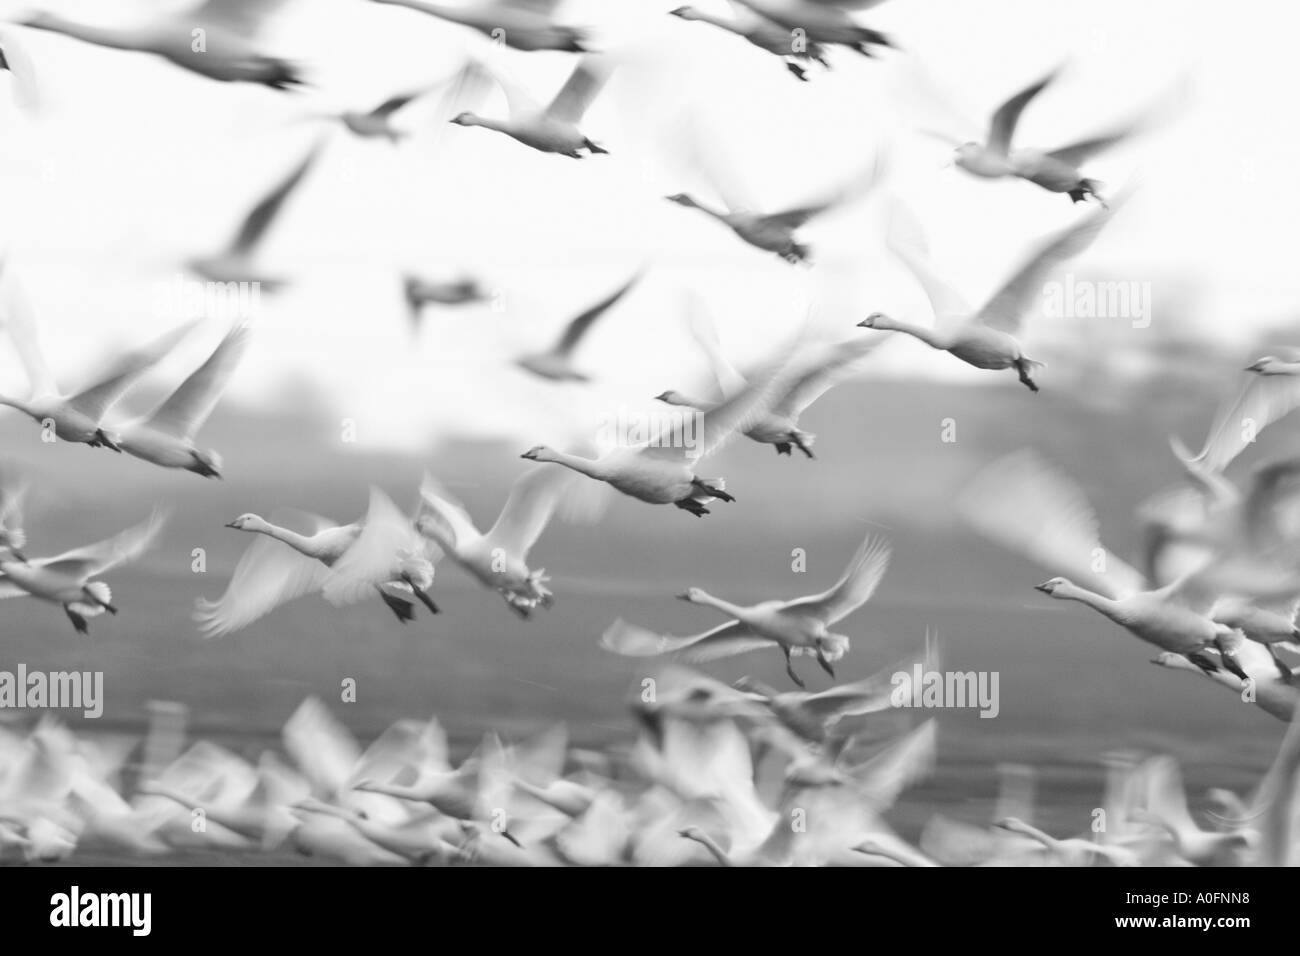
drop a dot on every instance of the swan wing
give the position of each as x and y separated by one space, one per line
95 400
9 590
1263 400
835 363
539 7
1024 504
19 320
859 582
576 329
260 217
438 506
244 18
322 747
907 241
96 559
705 333
269 573
184 413
388 539
1006 310
722 641
533 499
1003 125
582 86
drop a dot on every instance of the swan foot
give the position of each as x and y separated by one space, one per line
789 668
595 149
693 506
1086 188
711 491
512 838
1232 664
796 253
799 72
404 610
78 622
826 664
102 440
802 446
1022 369
782 447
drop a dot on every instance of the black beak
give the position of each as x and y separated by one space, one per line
1043 587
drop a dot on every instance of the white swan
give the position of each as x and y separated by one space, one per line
388 553
780 426
237 262
799 626
1267 690
1269 393
217 39
552 128
765 35
823 21
1072 851
1166 807
1056 170
985 338
498 558
166 435
71 579
1023 504
556 363
662 471
280 566
523 24
76 416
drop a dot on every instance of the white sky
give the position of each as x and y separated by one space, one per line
133 165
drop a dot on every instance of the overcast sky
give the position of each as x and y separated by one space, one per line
132 165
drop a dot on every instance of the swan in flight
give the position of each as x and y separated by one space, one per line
1023 504
765 35
552 128
1268 691
165 436
77 416
377 123
1072 851
389 552
780 426
523 24
1056 170
418 292
799 626
217 39
498 558
662 471
823 21
237 262
984 338
282 565
776 232
556 363
71 579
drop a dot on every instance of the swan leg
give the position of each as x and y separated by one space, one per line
693 506
711 491
826 665
799 443
102 440
789 667
512 838
795 253
1203 661
1022 369
78 622
595 148
782 447
1282 669
799 72
404 610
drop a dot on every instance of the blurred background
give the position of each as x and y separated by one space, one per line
130 166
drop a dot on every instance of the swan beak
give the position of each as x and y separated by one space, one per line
1255 367
231 524
684 596
1045 587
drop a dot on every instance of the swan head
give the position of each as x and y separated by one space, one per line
692 595
541 453
1054 586
682 199
673 397
1268 365
686 13
247 522
876 320
692 833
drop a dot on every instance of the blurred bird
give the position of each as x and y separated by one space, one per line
823 21
420 292
799 626
765 35
556 363
523 24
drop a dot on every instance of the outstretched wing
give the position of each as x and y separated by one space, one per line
387 543
1006 310
907 242
576 329
269 573
445 513
95 400
1024 504
533 499
241 17
835 363
859 185
1263 400
184 413
1003 125
582 86
259 219
19 319
96 559
859 582
725 640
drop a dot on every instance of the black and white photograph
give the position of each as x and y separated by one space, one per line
618 433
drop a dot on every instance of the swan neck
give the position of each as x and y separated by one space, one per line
930 337
584 466
712 846
88 33
294 540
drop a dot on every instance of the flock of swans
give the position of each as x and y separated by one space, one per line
737 775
